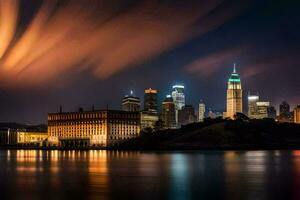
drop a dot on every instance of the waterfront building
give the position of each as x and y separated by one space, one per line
234 95
201 112
22 137
8 136
297 114
168 113
92 128
131 103
148 119
178 99
186 115
150 100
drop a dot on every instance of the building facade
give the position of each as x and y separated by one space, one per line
285 114
262 110
272 112
22 137
131 103
150 100
92 128
168 113
178 99
297 114
186 115
148 119
252 105
234 95
201 112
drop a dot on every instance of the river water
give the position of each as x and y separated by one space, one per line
99 174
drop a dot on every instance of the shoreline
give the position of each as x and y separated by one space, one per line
165 149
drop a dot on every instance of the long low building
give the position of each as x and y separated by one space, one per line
22 137
92 128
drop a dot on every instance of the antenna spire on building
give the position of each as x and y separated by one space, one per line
234 68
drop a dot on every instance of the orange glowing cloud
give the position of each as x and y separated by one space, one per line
105 38
8 21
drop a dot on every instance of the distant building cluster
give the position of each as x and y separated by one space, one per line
110 127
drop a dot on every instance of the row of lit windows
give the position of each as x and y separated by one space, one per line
70 116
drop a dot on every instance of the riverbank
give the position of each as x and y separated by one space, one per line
215 134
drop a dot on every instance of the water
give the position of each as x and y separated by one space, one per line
29 174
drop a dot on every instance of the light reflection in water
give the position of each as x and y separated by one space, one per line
27 174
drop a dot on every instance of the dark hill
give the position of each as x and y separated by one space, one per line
221 134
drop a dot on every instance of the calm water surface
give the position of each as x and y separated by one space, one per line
29 174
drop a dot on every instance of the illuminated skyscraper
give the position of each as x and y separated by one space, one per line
252 106
201 112
131 103
150 100
149 116
168 113
262 110
178 99
234 95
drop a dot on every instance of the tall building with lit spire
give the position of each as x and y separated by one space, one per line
234 95
178 99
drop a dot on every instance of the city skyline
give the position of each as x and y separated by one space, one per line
261 37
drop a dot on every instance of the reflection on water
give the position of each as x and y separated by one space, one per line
30 174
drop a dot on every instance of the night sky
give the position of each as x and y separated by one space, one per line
93 52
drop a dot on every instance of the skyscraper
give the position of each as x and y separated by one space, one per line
284 108
168 113
201 112
285 114
297 115
272 112
149 116
150 100
252 106
186 115
178 99
262 110
234 95
131 103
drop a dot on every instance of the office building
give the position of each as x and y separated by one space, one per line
178 99
186 115
297 114
284 108
148 119
201 112
272 112
131 103
168 113
234 95
92 128
285 115
262 110
150 100
252 105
